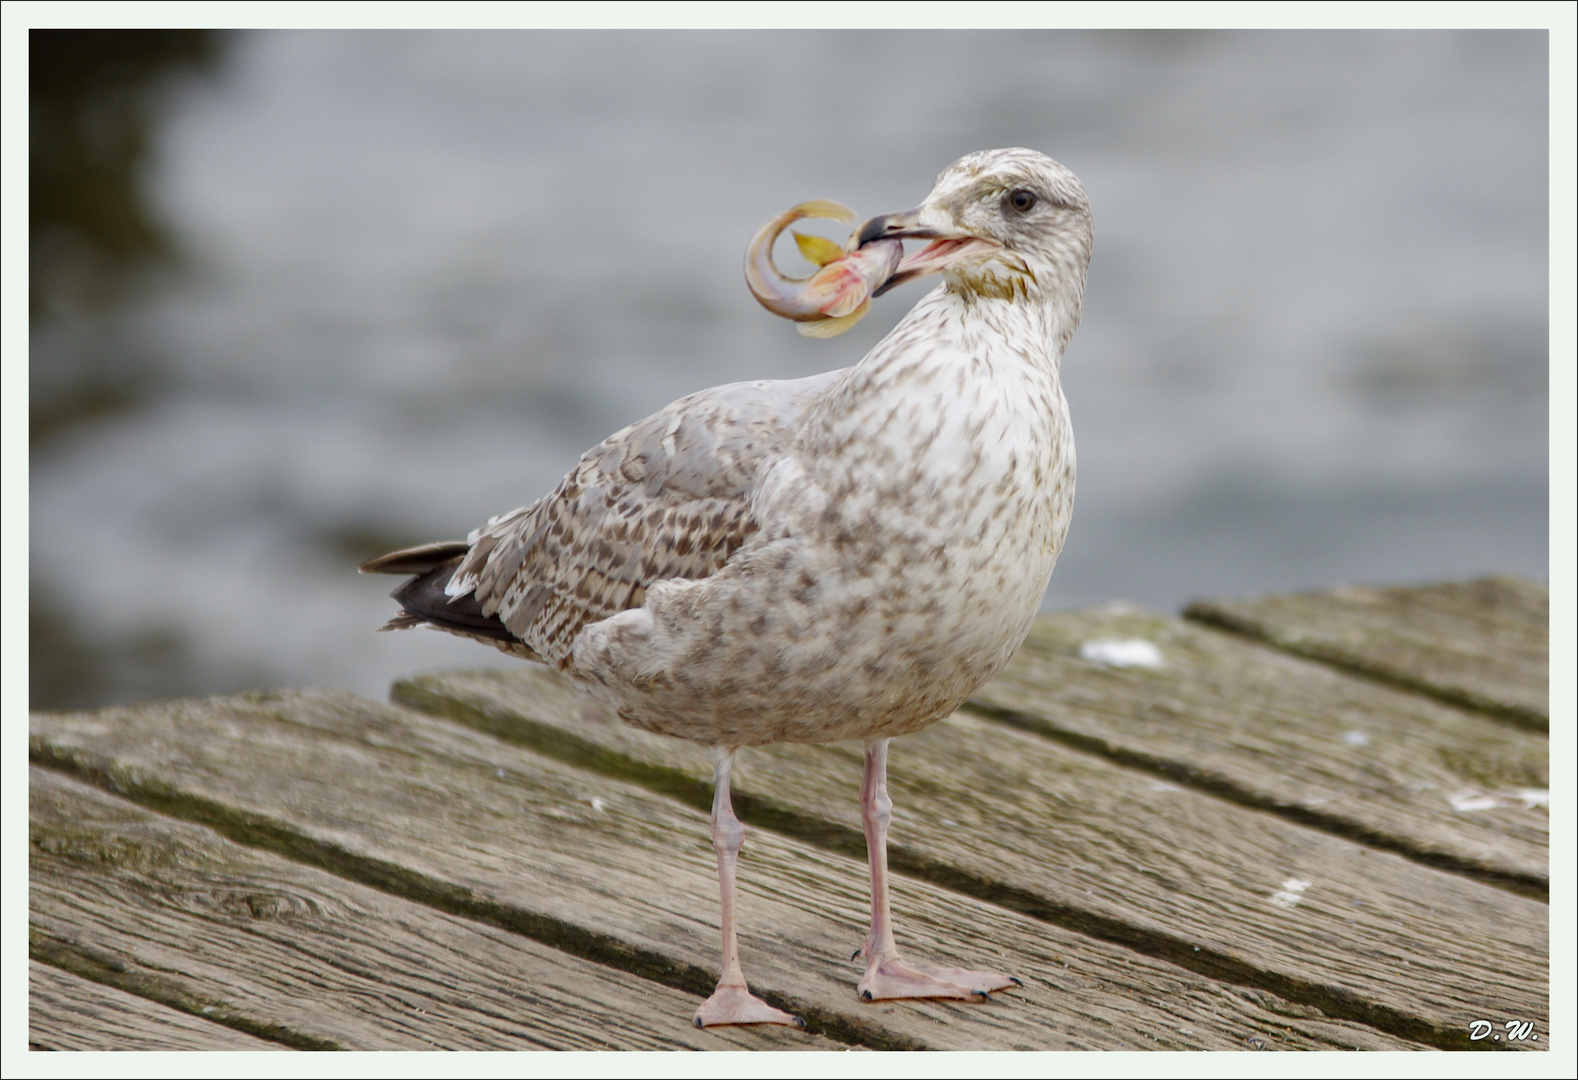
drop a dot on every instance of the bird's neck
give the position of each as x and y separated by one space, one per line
1033 327
955 365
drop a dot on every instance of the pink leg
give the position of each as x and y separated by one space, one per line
732 1002
887 976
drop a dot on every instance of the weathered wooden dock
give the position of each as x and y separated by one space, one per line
1319 822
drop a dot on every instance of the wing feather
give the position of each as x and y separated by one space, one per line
668 497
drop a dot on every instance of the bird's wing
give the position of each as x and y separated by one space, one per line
668 497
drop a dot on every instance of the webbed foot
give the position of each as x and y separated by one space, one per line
894 978
737 1005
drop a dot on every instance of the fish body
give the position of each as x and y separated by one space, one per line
839 293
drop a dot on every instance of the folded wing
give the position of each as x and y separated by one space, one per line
668 497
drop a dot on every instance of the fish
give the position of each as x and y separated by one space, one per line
839 293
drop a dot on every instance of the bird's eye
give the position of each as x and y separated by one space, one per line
1021 200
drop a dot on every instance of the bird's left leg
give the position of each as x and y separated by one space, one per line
888 976
732 1002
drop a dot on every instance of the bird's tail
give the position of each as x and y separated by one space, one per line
422 599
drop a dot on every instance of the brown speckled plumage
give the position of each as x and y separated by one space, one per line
846 556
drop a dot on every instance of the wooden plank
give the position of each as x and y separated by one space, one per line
175 911
608 870
1074 839
1382 765
1482 644
68 1012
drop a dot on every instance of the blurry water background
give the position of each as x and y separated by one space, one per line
299 298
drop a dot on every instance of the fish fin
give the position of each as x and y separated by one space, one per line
848 300
823 208
826 328
817 249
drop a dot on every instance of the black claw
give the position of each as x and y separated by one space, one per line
799 1022
865 995
1016 982
697 1021
855 955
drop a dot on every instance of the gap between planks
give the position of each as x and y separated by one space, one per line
177 915
1481 645
69 1012
838 838
792 790
289 752
1284 735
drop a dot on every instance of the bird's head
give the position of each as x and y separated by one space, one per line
1003 224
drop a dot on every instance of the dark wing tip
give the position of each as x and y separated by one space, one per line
417 560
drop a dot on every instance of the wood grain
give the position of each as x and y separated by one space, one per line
68 1012
1482 644
1074 839
248 938
1382 765
610 872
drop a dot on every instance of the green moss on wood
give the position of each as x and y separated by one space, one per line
88 964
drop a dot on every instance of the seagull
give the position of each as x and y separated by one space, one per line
841 557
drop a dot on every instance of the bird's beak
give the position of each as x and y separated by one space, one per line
949 243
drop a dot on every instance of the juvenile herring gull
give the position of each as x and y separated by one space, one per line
845 556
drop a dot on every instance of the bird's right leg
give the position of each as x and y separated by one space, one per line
732 1002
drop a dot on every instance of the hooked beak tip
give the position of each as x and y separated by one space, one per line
871 230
